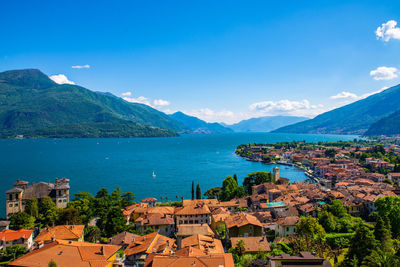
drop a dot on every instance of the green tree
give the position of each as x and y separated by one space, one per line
198 192
52 263
32 207
15 251
310 226
230 189
240 248
92 234
327 220
377 258
383 235
362 244
336 208
102 193
214 192
235 177
48 211
115 222
69 216
390 207
255 178
21 220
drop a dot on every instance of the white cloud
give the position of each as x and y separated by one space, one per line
285 107
384 73
344 94
126 94
61 79
140 99
388 31
349 97
81 66
160 103
209 115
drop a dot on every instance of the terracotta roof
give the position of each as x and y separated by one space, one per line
10 235
66 232
149 199
209 202
151 243
192 229
213 260
196 209
241 219
152 219
252 244
69 253
123 238
164 210
206 244
288 221
190 251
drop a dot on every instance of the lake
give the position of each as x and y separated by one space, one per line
91 164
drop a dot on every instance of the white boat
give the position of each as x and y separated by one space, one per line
154 175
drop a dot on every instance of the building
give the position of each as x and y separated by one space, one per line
286 226
161 222
137 251
186 230
16 197
252 244
70 253
206 244
21 237
243 225
4 225
122 239
64 232
193 214
151 201
305 259
190 257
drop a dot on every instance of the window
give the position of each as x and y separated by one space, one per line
10 205
16 205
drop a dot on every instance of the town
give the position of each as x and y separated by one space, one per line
345 214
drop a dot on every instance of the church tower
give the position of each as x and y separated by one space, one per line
275 177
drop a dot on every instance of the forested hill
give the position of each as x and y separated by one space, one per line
355 118
31 104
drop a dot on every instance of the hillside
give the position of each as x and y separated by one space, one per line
199 126
31 104
389 125
265 124
355 118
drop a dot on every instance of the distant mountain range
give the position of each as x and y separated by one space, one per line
31 104
376 114
196 125
265 124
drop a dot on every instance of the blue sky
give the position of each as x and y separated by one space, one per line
218 60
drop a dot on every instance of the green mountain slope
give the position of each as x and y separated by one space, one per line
33 105
199 126
389 125
265 124
355 118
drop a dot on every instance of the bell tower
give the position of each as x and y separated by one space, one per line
275 175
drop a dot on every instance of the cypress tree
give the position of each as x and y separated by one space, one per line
192 190
198 192
383 234
235 177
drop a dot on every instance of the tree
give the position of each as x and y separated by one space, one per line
92 234
115 222
379 259
69 216
307 242
383 235
32 207
240 248
198 192
336 208
52 263
230 189
21 220
362 244
310 226
327 220
390 207
15 251
48 211
102 193
255 178
192 190
235 177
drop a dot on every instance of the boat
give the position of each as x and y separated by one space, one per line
154 175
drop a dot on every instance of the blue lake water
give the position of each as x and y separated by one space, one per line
91 164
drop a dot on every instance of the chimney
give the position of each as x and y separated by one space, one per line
102 251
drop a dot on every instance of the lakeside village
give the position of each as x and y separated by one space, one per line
347 214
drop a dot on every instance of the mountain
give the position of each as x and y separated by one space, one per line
265 124
199 126
31 104
355 118
389 125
